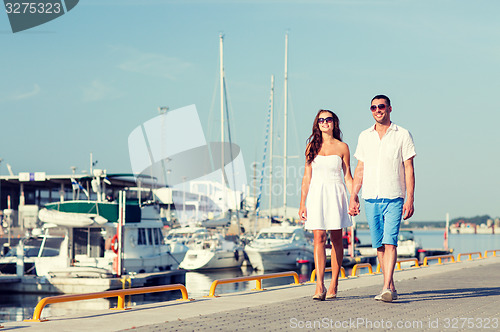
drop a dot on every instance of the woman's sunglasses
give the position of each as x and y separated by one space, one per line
380 107
328 120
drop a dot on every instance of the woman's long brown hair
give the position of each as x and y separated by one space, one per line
315 141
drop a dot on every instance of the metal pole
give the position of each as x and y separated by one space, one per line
285 127
271 150
61 193
254 183
121 222
73 170
223 182
446 234
9 218
20 259
0 184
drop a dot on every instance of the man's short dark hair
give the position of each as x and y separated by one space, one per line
382 97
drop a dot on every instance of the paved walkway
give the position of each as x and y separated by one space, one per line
455 297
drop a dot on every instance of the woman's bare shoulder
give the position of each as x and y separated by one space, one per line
343 148
341 145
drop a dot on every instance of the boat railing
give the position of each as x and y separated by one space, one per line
469 254
258 279
361 265
120 293
494 252
439 258
328 269
398 264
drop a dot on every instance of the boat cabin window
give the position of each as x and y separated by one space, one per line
298 236
174 236
406 235
158 236
141 237
274 236
150 236
88 241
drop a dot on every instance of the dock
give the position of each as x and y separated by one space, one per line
463 295
74 285
8 279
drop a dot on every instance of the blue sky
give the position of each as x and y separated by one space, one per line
83 82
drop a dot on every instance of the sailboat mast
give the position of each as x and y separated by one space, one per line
271 150
221 52
285 122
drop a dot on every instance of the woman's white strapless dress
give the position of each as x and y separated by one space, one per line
327 204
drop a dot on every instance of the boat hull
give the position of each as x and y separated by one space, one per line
200 259
278 258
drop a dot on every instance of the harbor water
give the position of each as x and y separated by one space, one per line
16 307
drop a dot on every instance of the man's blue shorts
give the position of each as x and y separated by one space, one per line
384 217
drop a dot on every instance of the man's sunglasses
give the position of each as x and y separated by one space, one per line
328 120
380 107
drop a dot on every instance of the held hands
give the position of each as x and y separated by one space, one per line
303 213
354 205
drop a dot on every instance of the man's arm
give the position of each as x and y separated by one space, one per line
408 208
356 187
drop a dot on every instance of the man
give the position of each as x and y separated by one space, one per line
385 155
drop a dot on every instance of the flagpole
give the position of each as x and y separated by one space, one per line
447 227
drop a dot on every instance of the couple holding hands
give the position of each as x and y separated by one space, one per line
385 155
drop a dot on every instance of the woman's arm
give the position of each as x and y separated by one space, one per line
346 167
356 187
306 180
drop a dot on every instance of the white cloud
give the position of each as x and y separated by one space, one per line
98 90
23 95
153 64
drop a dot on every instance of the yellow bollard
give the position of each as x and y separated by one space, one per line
492 251
361 265
328 269
258 285
439 257
257 278
469 254
120 294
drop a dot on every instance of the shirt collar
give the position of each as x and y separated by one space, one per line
393 126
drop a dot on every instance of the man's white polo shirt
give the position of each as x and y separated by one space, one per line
384 173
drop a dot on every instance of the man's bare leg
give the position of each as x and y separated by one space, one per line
387 257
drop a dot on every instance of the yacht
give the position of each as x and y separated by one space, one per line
213 252
29 248
279 248
178 239
97 243
407 246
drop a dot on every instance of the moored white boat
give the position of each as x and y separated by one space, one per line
407 246
279 248
178 239
95 246
214 252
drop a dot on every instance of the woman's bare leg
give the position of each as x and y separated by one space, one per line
337 257
319 259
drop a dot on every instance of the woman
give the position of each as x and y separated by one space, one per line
327 157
